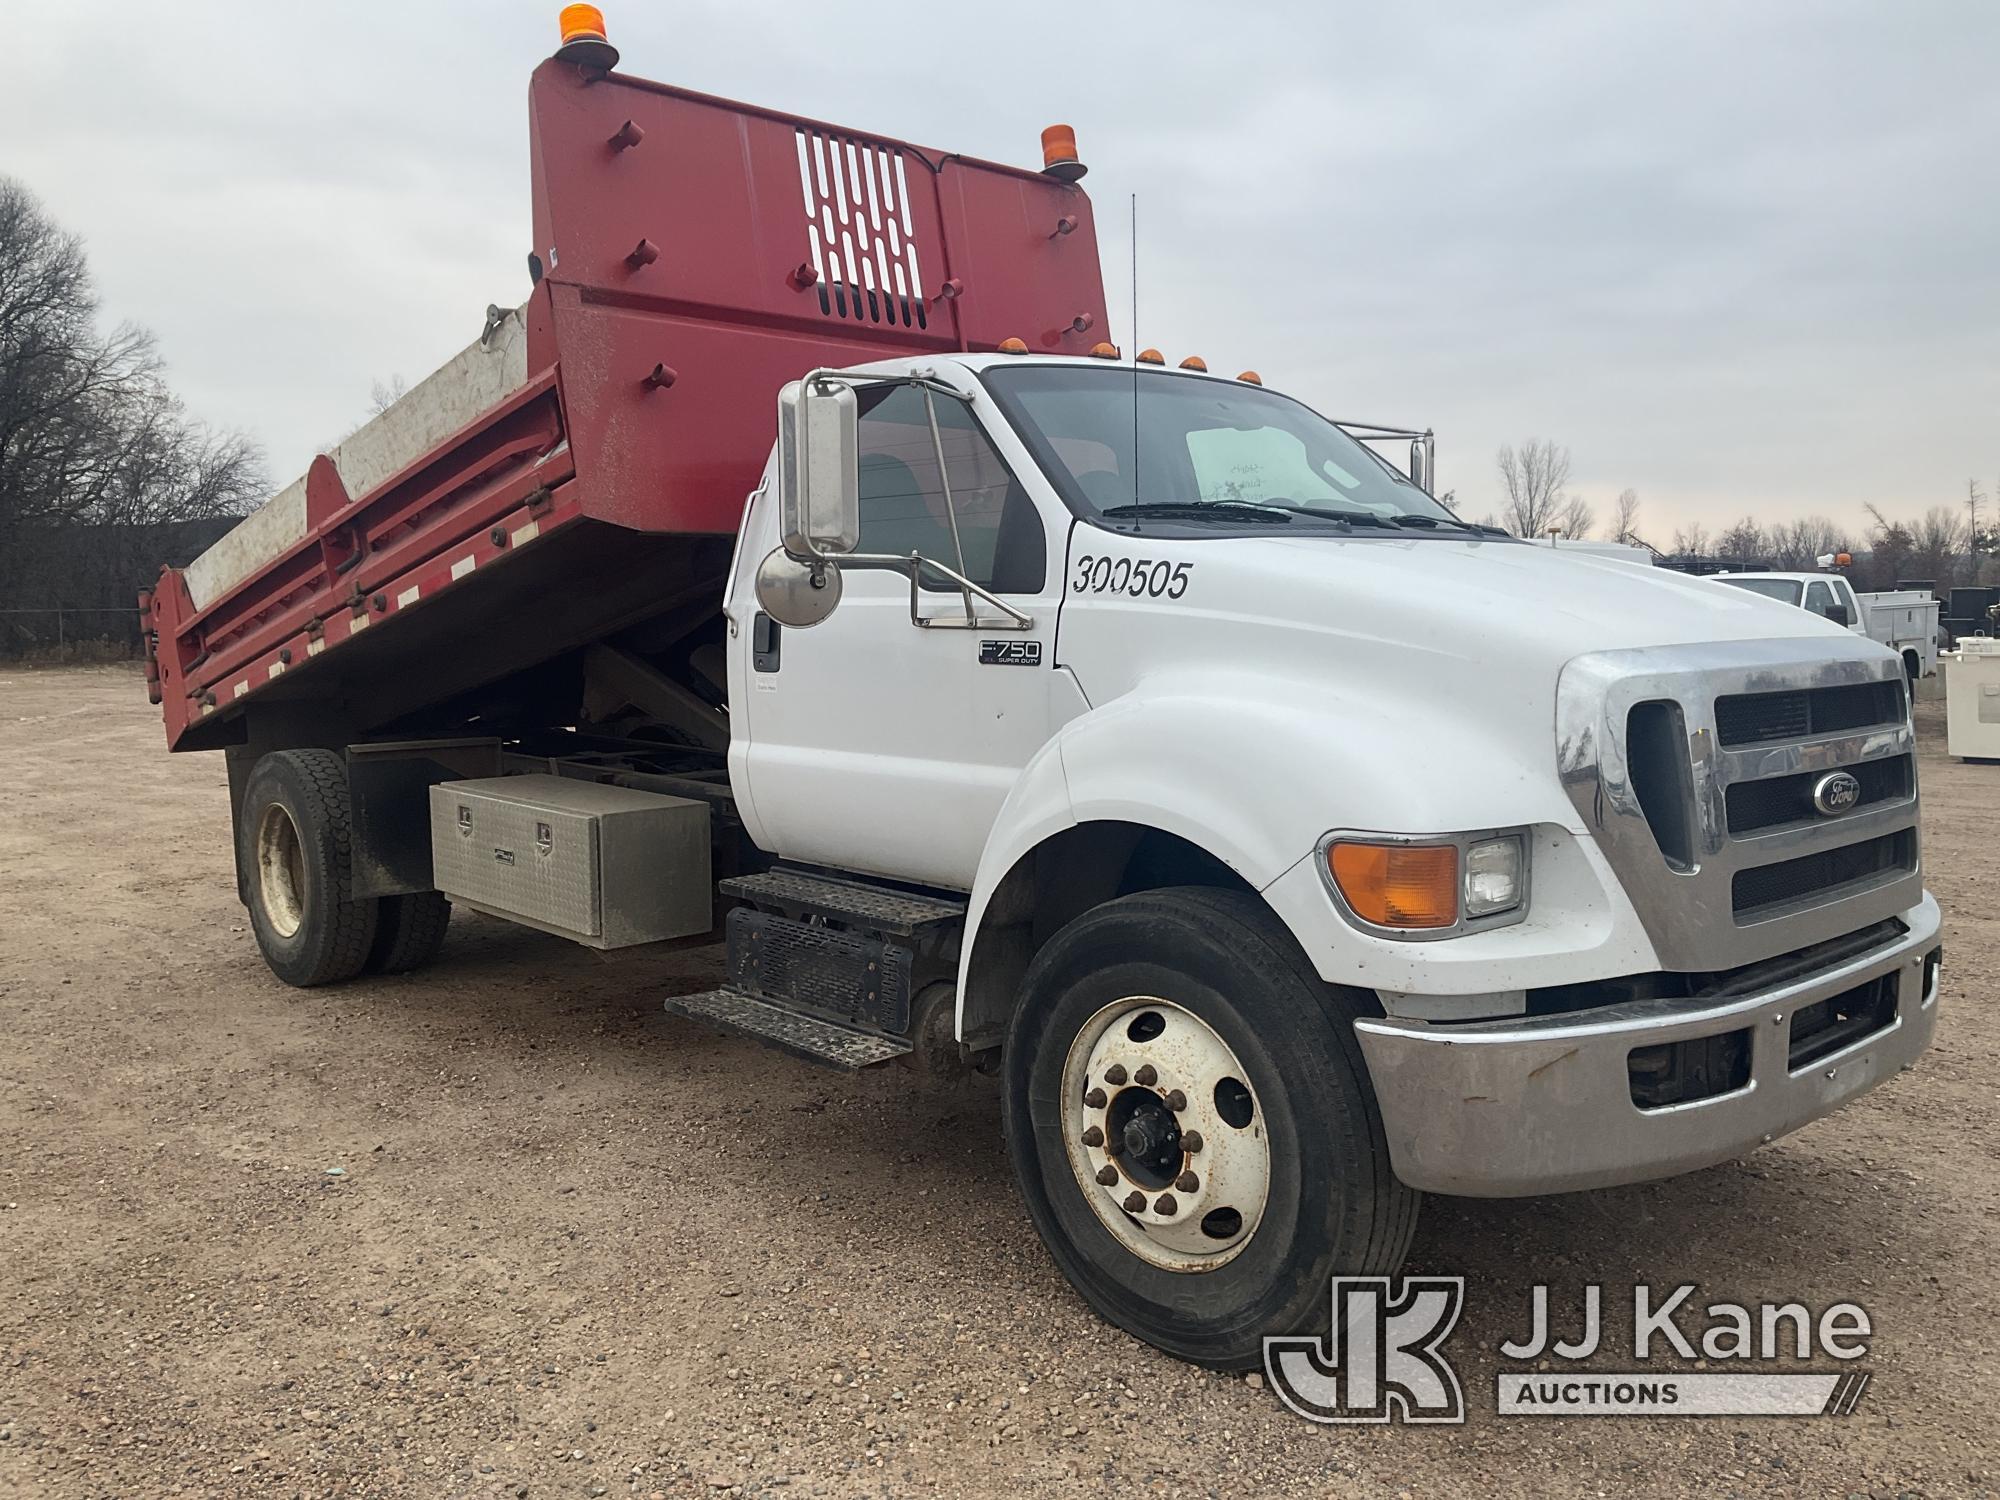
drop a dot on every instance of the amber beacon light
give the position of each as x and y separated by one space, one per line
1059 153
583 39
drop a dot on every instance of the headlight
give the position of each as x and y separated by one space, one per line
1493 876
1427 887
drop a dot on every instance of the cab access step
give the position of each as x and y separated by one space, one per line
827 967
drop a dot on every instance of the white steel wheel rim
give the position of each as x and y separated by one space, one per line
1129 1065
280 871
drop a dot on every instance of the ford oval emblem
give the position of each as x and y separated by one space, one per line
1835 793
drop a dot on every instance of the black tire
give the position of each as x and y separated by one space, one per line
1334 1207
295 840
409 930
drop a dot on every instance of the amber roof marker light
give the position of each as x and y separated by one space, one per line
1059 159
584 41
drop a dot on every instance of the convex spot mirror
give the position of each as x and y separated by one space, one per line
794 592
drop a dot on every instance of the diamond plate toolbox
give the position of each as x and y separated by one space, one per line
604 865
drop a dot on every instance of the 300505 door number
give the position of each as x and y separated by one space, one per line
1135 576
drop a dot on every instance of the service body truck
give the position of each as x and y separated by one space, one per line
801 570
1904 620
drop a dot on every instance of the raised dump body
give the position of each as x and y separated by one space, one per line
580 466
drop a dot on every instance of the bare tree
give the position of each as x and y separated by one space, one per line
1535 479
1625 516
384 394
1574 518
1796 546
1691 540
1745 541
96 452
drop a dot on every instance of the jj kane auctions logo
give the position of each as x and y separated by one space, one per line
1383 1357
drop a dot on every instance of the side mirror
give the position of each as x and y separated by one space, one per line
1839 615
819 446
1423 463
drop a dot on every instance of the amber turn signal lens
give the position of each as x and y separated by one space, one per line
1408 886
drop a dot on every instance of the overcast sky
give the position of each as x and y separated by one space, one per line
1744 258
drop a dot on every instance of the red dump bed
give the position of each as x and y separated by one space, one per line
693 256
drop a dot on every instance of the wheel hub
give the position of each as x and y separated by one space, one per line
1164 1134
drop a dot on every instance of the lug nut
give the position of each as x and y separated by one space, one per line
1107 1175
1164 1204
1191 1142
1147 1076
1177 1101
1187 1182
1115 1074
1093 1137
1095 1098
1135 1203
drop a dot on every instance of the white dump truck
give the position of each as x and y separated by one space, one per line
801 570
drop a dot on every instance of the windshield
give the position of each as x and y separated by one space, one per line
1200 442
1784 590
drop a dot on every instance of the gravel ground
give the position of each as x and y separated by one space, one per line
504 1228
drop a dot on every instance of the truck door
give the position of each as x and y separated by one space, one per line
874 743
1822 601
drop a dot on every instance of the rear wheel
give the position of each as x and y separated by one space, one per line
1193 1126
296 829
409 930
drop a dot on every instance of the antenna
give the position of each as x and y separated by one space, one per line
1134 335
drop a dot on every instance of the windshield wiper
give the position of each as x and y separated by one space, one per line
1452 522
1227 510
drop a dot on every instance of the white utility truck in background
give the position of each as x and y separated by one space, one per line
1288 846
1904 620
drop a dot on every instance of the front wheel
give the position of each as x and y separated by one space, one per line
1193 1126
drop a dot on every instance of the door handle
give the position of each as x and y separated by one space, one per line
765 635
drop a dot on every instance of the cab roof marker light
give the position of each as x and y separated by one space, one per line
1151 357
1195 362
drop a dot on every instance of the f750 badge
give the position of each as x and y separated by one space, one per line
1010 653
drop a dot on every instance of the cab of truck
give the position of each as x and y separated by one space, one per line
1827 595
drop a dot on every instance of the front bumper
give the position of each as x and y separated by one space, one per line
1503 1109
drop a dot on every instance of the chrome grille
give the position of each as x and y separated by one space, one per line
1780 801
1761 889
1694 767
1757 718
